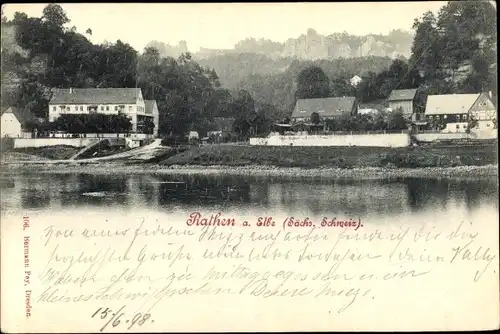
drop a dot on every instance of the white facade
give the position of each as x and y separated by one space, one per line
10 125
363 140
130 110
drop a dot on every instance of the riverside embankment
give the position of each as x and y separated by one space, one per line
367 173
470 160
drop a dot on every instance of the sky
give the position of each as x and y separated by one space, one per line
222 25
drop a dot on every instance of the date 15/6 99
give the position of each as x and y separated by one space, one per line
117 318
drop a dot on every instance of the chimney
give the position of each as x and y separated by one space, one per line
490 94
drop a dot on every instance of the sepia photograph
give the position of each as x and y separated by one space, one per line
249 167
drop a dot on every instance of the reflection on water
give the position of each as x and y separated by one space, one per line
264 195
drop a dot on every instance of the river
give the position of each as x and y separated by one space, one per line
412 198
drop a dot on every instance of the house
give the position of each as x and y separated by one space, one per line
224 125
355 80
193 135
327 108
15 123
152 109
455 110
110 101
402 99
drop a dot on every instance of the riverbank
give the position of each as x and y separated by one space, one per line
367 173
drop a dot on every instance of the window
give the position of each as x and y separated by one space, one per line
129 108
107 108
81 108
431 117
465 126
102 108
116 108
68 108
53 108
458 126
488 124
137 108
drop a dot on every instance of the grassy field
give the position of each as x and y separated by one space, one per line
339 157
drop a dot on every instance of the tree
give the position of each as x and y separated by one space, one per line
341 86
4 18
312 82
471 124
425 51
315 119
54 15
148 125
244 109
396 121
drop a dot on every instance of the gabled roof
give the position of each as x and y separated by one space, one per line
95 95
402 95
331 106
150 106
23 115
450 104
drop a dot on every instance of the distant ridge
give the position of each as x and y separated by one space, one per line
308 46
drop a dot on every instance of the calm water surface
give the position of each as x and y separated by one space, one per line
414 198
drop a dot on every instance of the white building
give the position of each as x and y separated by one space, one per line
355 80
111 101
456 110
14 121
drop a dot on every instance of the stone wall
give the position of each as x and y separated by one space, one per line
365 140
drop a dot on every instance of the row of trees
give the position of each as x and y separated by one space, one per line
92 123
188 95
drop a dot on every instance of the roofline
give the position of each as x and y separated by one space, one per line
326 98
398 99
477 98
79 103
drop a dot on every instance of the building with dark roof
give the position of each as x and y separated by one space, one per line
111 101
456 110
402 99
327 108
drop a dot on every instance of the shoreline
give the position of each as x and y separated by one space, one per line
362 173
